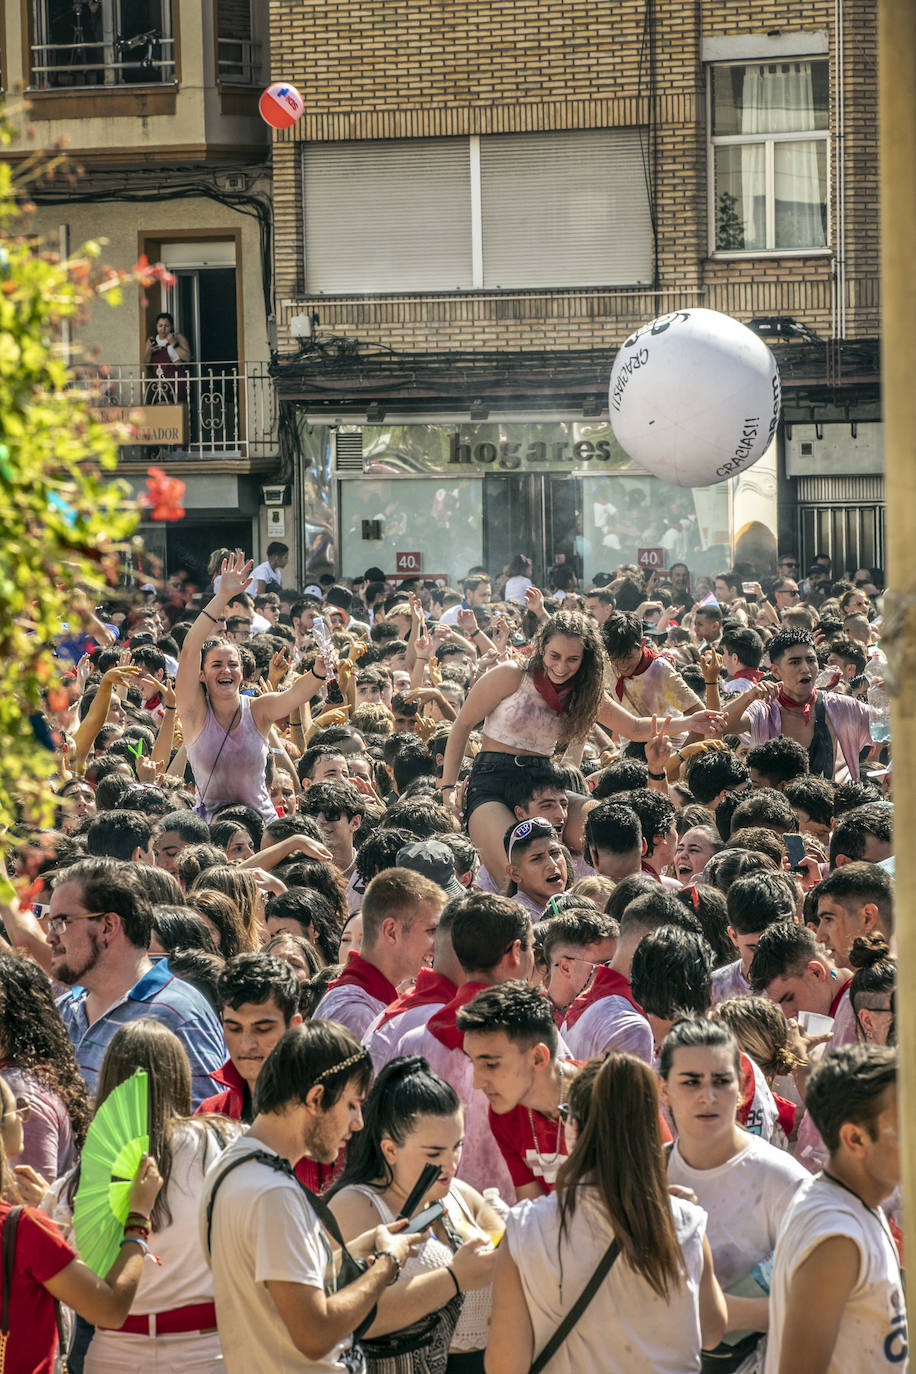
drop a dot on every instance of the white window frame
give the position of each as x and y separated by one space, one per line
769 142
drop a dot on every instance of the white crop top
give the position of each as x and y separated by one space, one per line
524 721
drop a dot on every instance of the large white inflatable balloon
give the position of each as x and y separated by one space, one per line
694 397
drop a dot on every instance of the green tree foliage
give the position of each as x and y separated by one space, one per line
62 518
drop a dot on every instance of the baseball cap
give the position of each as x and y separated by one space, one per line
435 861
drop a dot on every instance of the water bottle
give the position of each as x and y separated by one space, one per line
879 704
827 679
325 644
879 713
876 667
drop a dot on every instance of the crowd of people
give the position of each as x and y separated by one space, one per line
512 970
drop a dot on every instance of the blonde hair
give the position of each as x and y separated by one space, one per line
596 887
373 716
761 1031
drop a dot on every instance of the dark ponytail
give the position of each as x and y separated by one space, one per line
405 1090
874 986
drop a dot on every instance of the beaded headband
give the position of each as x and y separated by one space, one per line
345 1064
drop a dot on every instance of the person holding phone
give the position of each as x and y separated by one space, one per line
436 1316
165 352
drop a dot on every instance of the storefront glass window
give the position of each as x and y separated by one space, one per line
459 495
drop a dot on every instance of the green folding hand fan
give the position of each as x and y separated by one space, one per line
115 1143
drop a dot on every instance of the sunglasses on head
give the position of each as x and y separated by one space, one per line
537 825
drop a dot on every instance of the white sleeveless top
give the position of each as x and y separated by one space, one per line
474 1323
524 721
872 1332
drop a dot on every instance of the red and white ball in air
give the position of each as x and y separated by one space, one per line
281 105
694 397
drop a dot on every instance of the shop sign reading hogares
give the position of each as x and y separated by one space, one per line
475 450
509 456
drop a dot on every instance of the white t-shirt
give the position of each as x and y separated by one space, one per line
746 1199
872 1334
729 982
482 1164
351 1006
809 1148
383 1042
266 574
515 589
626 1328
263 1230
611 1023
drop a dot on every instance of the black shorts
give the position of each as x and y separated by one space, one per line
490 777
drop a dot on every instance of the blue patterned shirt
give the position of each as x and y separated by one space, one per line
163 997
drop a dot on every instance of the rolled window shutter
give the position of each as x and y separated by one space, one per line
565 209
388 216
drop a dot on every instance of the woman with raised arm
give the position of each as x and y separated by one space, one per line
225 732
530 711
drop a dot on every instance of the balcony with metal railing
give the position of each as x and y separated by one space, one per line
214 411
143 59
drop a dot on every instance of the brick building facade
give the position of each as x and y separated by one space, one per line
480 203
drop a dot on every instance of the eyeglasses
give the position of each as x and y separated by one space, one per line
58 924
577 959
22 1109
563 1112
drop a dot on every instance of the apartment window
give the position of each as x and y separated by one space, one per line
238 54
770 144
101 43
480 213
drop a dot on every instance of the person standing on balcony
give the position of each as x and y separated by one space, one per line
166 352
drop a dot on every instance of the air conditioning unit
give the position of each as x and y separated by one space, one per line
348 450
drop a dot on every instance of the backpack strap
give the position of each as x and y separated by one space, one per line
324 1214
602 1270
272 1162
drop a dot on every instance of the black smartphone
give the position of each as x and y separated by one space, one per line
795 849
425 1218
420 1189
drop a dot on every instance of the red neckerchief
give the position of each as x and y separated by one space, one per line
786 1114
358 972
607 982
649 871
557 698
802 708
647 659
430 989
442 1023
839 997
749 674
748 1091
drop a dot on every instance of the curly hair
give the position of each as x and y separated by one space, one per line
33 1038
588 683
